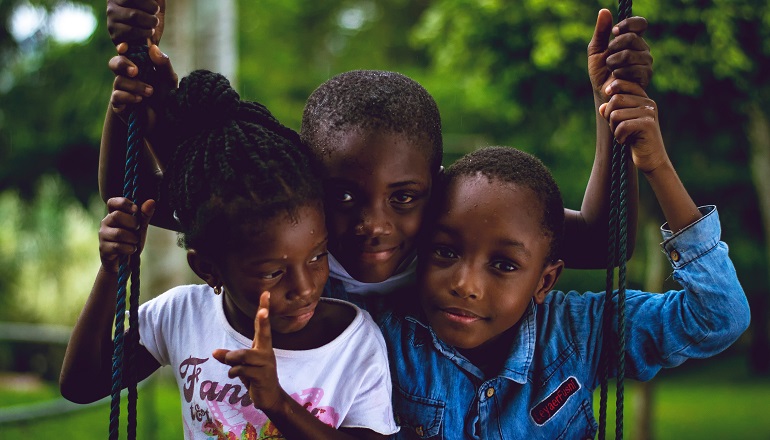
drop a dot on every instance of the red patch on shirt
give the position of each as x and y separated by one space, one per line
553 403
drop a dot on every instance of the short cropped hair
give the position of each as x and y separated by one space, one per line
373 100
511 165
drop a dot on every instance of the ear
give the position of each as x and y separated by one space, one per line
550 275
204 267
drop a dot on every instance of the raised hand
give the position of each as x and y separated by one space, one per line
122 233
633 118
255 367
128 90
136 20
627 56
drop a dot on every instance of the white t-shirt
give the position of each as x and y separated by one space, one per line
345 383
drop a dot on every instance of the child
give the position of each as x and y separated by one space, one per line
378 135
518 360
249 205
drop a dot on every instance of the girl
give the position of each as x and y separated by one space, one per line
245 192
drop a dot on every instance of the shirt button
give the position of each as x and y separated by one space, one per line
674 256
490 392
419 431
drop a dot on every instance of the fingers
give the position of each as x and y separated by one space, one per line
636 25
263 338
163 68
602 32
119 231
618 86
132 20
629 56
629 115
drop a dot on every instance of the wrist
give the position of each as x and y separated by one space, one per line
654 171
281 408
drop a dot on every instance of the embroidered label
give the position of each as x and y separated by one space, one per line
553 403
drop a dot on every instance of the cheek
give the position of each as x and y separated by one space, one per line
409 224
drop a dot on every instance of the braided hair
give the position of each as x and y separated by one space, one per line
511 165
373 100
235 166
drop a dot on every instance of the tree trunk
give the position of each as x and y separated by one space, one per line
655 273
759 140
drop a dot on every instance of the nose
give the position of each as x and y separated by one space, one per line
465 281
303 284
373 222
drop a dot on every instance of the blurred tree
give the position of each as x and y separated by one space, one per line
52 102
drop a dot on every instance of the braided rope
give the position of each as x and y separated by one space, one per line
617 251
127 349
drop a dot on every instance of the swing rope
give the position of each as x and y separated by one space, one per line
617 249
129 268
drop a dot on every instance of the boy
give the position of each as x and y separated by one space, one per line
518 361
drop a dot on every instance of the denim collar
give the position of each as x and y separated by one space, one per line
522 351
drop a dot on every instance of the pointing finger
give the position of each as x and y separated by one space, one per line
263 338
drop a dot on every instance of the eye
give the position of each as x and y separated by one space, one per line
341 196
504 266
319 257
402 198
444 252
272 275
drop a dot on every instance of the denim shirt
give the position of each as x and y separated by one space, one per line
545 388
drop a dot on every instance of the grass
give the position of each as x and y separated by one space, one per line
713 399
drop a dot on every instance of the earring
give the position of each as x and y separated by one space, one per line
217 289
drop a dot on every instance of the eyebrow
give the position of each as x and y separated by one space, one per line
270 260
503 242
344 181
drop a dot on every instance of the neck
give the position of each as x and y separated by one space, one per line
490 356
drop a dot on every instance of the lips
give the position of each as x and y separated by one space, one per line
377 255
461 316
301 315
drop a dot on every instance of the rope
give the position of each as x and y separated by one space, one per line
617 234
127 349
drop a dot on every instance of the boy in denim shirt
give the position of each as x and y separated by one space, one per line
493 353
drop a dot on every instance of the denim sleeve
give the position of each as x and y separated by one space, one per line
703 319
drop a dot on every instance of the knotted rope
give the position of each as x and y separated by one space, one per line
129 268
617 249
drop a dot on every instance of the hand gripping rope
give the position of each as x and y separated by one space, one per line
616 250
125 372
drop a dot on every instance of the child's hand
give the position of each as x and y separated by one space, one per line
135 20
256 367
121 232
626 57
128 90
633 119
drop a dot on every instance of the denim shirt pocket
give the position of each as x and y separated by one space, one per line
582 424
418 417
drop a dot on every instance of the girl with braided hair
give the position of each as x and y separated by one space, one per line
256 351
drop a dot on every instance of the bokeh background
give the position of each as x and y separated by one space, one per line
503 72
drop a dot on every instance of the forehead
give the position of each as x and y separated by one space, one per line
390 155
479 208
299 229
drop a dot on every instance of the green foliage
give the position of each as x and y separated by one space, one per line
48 254
51 111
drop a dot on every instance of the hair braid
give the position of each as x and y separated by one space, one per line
234 163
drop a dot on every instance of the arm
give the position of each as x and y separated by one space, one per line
711 311
128 90
86 373
628 57
257 370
